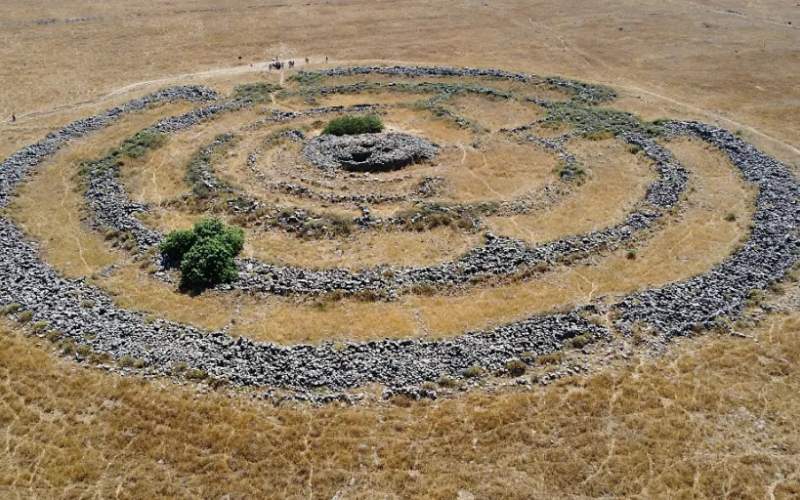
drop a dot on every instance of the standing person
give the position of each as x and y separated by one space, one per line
326 59
13 117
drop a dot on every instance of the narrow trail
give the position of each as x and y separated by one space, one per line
66 185
591 63
243 69
586 59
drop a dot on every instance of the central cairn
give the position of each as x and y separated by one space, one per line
357 144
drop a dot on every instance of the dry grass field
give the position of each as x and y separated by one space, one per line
711 416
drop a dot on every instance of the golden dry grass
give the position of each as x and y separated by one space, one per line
717 417
495 113
48 207
615 181
160 175
699 239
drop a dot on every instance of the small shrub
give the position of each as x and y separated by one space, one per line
445 381
126 361
67 347
353 125
571 171
580 341
25 316
630 254
515 367
429 386
730 217
599 135
196 374
83 350
143 141
10 309
99 358
473 371
424 289
553 358
40 326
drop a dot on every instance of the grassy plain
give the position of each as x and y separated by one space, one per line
714 416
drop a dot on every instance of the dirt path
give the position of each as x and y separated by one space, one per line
587 61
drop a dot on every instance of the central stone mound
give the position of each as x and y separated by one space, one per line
382 152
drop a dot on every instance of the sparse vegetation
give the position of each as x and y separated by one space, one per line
354 125
516 367
553 358
25 316
255 92
432 215
199 173
142 142
473 371
597 123
580 341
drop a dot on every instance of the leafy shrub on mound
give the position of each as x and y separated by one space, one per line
255 92
141 142
205 253
353 125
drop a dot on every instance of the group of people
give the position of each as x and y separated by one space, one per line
277 64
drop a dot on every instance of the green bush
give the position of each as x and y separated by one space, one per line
207 263
352 125
231 237
176 244
205 253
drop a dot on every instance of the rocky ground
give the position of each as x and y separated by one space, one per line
32 291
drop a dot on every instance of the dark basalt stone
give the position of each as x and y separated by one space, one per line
382 152
770 251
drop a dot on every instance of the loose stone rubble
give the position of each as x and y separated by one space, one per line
381 152
498 257
87 315
772 249
582 91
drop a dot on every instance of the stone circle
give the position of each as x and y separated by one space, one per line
771 249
